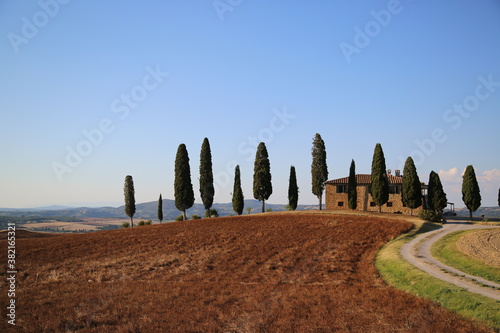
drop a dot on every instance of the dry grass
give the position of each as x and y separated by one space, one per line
257 273
483 245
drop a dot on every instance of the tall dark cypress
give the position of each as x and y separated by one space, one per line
183 188
352 193
499 197
293 189
319 169
380 181
129 193
160 209
238 198
262 186
412 188
470 190
436 197
207 190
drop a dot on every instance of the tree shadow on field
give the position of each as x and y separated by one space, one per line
421 229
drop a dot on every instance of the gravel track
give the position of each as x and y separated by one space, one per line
417 252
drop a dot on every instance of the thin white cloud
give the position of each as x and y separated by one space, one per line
492 175
452 175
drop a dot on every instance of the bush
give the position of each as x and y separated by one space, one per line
213 213
125 225
195 217
179 218
430 215
149 222
141 223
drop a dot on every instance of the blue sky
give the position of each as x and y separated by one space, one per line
93 91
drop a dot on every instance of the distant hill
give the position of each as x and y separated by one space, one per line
491 212
147 210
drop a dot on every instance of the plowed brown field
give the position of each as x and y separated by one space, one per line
258 273
483 245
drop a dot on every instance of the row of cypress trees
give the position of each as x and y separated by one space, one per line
412 190
262 185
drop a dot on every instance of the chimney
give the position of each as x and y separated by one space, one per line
398 173
389 171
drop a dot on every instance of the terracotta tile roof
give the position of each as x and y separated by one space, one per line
363 179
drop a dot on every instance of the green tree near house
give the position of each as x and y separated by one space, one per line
319 169
262 186
293 190
436 197
238 198
470 190
129 193
352 193
207 190
380 181
411 195
183 188
160 209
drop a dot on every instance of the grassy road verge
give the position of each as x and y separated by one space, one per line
446 251
402 275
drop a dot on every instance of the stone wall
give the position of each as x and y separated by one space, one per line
336 200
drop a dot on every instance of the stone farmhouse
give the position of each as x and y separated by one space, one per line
336 194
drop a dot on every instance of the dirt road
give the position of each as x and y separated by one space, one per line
417 252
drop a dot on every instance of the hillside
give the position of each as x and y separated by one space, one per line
284 272
147 210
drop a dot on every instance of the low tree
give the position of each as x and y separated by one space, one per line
436 198
160 209
411 195
129 193
293 190
207 190
319 169
352 193
238 198
183 188
470 190
262 186
380 181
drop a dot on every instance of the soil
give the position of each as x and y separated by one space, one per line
257 273
483 245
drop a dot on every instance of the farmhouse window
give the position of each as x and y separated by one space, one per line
341 188
389 204
372 204
341 204
394 189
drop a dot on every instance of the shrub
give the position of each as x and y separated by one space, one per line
141 223
429 215
213 213
148 222
195 217
125 225
179 218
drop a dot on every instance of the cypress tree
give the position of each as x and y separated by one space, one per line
380 182
183 188
499 197
129 193
238 198
435 194
352 193
160 209
293 189
470 190
207 190
319 169
412 189
262 187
